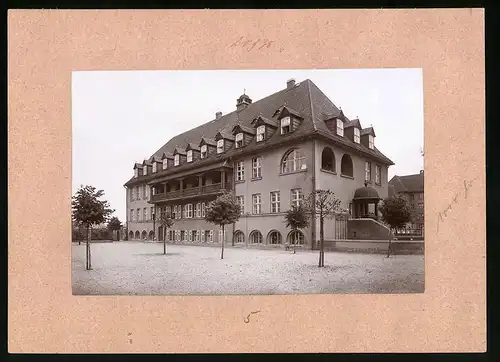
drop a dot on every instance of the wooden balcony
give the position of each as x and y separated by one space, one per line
191 192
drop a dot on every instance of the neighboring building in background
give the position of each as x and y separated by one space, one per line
411 187
270 154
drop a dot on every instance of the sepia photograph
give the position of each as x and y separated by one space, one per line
248 182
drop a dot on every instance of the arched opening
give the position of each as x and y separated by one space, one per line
296 237
131 235
274 237
239 237
151 235
346 168
144 235
255 237
293 160
328 159
137 235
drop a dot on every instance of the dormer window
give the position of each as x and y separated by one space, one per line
204 152
261 130
176 160
239 140
165 163
190 156
220 146
340 127
154 167
285 125
356 135
371 145
145 170
136 173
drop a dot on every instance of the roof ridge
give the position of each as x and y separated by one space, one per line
310 103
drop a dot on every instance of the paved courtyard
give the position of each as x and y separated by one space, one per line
135 268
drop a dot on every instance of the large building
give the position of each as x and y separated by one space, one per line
411 187
270 153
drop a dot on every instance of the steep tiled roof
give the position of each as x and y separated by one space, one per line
180 151
305 99
244 128
408 183
366 131
192 146
208 141
138 165
353 123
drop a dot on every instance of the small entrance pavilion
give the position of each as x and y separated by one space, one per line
363 197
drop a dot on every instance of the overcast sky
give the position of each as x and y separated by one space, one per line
123 117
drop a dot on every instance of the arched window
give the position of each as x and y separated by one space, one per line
131 235
255 237
294 160
346 166
144 235
137 235
151 235
274 237
296 237
328 159
239 237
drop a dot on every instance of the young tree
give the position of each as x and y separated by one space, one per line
115 225
222 211
88 210
296 218
396 212
322 204
166 221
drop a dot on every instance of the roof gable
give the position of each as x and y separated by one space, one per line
138 165
179 151
261 121
207 141
353 123
367 131
239 128
224 135
192 147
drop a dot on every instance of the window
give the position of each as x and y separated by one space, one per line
211 236
261 130
188 210
145 214
285 125
138 214
350 208
220 146
240 171
131 194
378 170
190 156
204 151
256 203
296 237
179 211
297 197
197 236
197 210
293 161
241 200
274 237
275 201
256 237
239 237
183 235
177 235
136 173
131 215
368 171
168 211
137 193
144 191
256 167
202 209
203 236
340 127
145 170
371 142
222 237
412 197
190 235
177 160
346 168
239 140
356 135
328 159
165 163
151 212
154 167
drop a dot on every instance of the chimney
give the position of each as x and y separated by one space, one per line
218 115
290 83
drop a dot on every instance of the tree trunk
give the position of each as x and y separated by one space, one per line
321 242
295 241
390 244
164 242
222 243
90 239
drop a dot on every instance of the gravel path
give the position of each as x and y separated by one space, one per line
134 268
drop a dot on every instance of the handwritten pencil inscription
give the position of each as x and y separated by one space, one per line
253 44
247 318
459 196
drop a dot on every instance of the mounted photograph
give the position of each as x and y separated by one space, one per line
248 182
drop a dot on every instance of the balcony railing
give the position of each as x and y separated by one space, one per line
191 191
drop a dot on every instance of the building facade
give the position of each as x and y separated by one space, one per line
270 154
411 188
